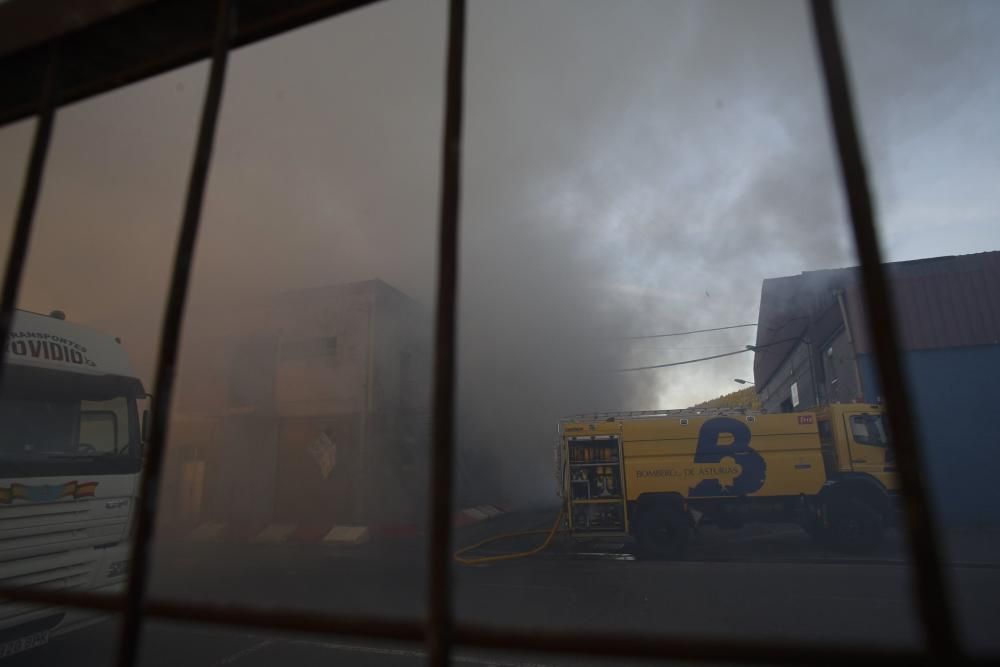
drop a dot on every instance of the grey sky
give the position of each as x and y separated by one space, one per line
630 167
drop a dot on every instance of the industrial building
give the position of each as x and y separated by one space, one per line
813 347
310 409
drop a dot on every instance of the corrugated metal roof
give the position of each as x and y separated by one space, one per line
940 302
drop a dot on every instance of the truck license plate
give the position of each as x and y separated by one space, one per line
24 643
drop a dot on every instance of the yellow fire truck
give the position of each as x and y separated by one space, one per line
657 475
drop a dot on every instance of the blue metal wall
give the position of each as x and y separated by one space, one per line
956 395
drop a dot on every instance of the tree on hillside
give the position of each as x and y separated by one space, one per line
741 398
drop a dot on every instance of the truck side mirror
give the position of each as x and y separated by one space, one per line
147 426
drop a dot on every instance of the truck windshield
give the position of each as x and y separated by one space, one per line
869 430
57 423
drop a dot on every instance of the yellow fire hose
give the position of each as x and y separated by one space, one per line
459 558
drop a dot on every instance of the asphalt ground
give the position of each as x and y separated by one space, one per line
760 582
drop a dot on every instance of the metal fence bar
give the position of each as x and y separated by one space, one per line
618 646
439 592
441 634
606 644
929 584
174 34
30 191
170 338
212 613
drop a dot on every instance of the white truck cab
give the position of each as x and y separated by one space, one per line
70 459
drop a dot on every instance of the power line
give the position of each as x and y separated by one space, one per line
685 333
749 348
679 363
670 348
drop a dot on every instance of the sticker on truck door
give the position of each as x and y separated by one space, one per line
46 493
752 467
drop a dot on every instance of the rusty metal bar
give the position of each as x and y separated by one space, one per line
611 645
170 338
122 50
618 646
439 594
30 191
283 620
441 634
928 576
63 598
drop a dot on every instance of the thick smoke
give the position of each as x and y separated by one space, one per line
624 187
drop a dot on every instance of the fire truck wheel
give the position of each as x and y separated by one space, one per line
855 526
663 533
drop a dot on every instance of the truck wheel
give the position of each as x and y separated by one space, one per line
662 533
855 527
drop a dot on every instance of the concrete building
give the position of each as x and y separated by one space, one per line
814 347
310 409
